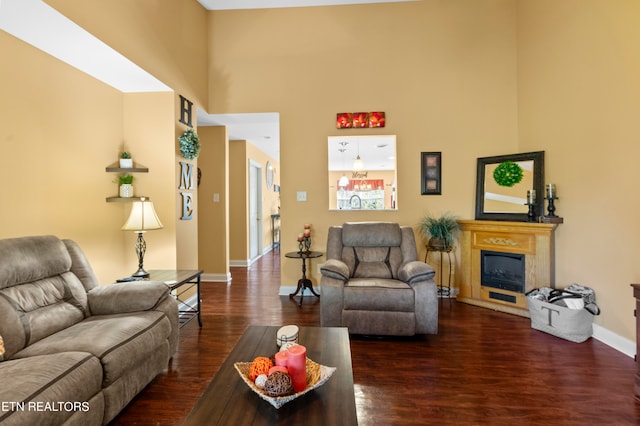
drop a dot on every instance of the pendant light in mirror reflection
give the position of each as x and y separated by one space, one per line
362 172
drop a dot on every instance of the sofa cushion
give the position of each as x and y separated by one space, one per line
378 294
48 389
119 341
371 234
28 259
334 268
372 262
127 297
35 310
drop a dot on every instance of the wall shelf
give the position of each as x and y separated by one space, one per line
137 168
117 199
115 168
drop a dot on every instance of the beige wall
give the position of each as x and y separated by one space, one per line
60 129
168 39
238 202
444 73
579 100
213 216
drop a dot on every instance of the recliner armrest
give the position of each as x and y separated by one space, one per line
126 297
337 269
415 271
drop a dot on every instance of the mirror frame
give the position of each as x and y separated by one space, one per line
538 185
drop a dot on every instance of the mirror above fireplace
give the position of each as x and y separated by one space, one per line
500 195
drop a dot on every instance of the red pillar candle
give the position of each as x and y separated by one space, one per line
281 358
297 366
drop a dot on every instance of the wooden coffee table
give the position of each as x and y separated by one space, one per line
229 401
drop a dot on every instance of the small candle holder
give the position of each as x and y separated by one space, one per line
300 246
307 244
552 195
531 203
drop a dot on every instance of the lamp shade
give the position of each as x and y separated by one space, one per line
358 165
143 217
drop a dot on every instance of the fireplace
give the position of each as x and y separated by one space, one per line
504 271
501 261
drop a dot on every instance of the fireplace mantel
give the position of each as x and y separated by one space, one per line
534 240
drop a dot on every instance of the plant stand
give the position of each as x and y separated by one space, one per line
442 290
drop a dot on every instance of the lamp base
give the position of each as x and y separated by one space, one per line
140 273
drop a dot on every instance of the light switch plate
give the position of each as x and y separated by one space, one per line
301 196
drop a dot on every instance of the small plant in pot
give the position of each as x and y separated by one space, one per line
126 185
439 232
125 160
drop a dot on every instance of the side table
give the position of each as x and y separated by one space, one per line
180 281
304 282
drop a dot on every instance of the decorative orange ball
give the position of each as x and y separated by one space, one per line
260 365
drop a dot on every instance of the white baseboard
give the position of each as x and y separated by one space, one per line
285 291
617 342
222 278
246 263
187 304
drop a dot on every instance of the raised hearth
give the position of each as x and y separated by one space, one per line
502 261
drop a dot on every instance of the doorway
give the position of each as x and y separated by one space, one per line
255 209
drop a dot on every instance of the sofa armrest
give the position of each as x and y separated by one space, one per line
415 271
126 297
336 269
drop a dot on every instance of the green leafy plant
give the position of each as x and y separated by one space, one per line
189 144
444 227
508 174
125 179
125 155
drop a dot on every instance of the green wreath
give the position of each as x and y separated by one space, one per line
189 144
507 174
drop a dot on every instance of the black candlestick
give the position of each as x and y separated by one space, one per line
550 207
531 215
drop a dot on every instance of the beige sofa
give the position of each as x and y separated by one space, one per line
75 353
374 284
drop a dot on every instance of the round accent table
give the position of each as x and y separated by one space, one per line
304 282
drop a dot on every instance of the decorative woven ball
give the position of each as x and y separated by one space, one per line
260 365
261 380
278 384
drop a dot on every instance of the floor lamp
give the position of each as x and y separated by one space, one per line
143 218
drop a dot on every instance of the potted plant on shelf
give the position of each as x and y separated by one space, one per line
126 162
439 232
126 185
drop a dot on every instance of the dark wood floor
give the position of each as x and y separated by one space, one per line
483 367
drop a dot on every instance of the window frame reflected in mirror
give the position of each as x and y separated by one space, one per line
374 187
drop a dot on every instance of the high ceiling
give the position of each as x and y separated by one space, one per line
38 24
262 130
269 4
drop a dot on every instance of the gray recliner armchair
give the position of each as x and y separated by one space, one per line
374 284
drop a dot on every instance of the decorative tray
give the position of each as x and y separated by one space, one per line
317 375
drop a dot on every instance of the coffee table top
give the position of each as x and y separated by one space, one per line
229 401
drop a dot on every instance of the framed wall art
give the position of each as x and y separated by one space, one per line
431 175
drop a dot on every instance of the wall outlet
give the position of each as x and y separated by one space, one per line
301 196
216 198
